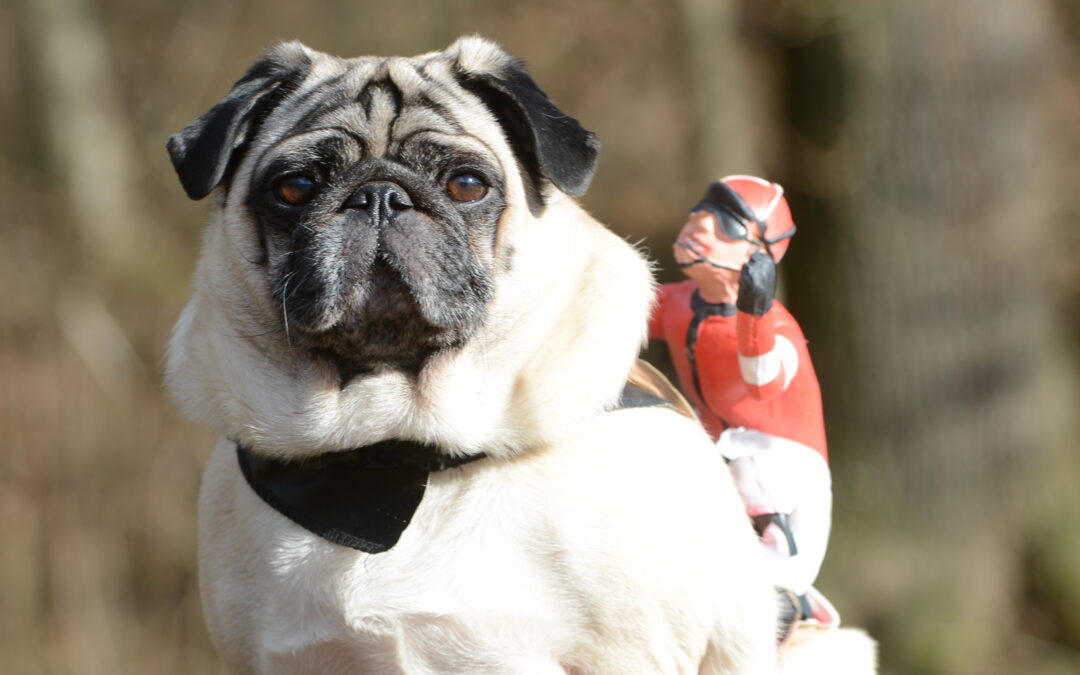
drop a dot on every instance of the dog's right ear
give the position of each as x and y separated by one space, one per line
204 152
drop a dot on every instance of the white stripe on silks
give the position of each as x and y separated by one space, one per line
759 370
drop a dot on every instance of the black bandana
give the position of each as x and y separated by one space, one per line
365 497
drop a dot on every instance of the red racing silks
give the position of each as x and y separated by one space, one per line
767 361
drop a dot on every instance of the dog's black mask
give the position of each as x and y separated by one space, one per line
376 207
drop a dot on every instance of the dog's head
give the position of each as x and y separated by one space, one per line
393 251
377 187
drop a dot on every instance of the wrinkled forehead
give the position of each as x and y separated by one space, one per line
385 102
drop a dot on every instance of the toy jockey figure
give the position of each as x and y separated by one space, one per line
742 360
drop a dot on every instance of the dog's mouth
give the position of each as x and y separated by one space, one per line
381 321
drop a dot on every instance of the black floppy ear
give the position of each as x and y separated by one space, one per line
204 152
547 142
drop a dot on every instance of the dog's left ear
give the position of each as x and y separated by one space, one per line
548 142
205 150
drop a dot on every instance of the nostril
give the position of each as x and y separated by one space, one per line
399 200
360 199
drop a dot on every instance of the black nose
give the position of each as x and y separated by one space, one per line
380 200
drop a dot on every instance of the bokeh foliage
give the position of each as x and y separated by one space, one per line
931 156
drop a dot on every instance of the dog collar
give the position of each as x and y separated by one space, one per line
362 498
365 497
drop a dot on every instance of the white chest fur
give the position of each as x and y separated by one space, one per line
623 549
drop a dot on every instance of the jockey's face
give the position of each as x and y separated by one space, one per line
706 254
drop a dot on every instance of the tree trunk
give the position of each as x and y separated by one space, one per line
723 110
914 175
90 139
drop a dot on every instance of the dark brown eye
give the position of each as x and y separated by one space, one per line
295 190
466 188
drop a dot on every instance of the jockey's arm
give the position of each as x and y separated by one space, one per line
767 360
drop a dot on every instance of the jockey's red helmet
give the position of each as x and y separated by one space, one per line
748 207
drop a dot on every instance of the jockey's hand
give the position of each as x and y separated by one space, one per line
778 476
757 284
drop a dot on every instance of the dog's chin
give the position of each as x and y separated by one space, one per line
382 328
378 346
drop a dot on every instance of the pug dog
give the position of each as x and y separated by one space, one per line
415 345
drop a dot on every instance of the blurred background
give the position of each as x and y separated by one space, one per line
931 156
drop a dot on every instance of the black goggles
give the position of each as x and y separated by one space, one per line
734 215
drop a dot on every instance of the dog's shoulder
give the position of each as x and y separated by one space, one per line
639 510
640 473
656 440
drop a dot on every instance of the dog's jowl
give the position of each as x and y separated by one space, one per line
412 342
